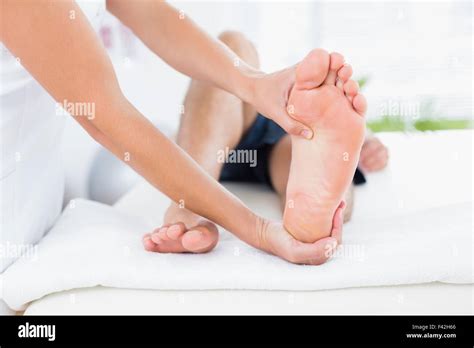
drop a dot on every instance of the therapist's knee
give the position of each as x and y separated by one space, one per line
242 46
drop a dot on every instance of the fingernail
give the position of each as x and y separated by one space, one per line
307 134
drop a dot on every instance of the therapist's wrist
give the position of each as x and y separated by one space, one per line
258 233
247 78
249 227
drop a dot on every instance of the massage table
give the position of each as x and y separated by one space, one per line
426 170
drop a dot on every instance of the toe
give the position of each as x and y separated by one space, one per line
162 233
155 237
360 104
351 88
336 62
175 231
312 70
345 73
148 244
201 238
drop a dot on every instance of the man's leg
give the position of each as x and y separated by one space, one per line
213 119
279 167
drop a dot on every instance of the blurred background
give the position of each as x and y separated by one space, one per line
414 54
413 61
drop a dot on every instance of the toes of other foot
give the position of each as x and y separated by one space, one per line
175 231
160 234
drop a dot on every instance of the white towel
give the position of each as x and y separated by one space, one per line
412 224
93 244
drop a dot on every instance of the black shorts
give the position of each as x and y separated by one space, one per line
260 139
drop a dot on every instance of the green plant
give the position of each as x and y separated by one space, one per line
429 121
433 124
362 81
387 124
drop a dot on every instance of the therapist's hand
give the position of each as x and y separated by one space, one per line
196 54
270 96
276 240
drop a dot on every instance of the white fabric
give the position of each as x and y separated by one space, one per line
387 242
93 244
31 182
31 174
415 299
397 236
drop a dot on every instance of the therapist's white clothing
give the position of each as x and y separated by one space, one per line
31 175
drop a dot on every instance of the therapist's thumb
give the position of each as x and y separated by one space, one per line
294 127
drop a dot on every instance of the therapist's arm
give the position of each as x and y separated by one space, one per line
56 44
178 41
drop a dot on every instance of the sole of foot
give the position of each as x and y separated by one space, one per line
326 99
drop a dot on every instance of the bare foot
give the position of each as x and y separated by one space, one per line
374 155
183 232
324 98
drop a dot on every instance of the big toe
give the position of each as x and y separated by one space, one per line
313 69
337 62
201 238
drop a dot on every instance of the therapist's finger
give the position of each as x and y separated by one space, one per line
315 253
293 127
338 222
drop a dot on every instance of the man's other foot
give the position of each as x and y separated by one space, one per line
182 232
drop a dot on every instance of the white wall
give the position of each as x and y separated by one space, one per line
414 53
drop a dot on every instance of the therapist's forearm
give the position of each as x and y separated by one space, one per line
177 40
172 170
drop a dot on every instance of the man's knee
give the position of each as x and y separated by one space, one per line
242 46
